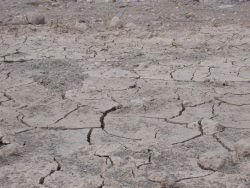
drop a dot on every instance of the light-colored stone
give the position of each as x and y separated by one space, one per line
20 20
10 149
115 22
214 160
4 140
210 2
81 26
210 126
193 125
130 26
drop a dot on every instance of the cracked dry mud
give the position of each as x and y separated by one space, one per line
162 102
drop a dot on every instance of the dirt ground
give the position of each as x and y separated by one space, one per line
126 94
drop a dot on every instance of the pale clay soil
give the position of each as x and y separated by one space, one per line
157 97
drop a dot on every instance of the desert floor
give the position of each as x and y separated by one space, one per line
127 94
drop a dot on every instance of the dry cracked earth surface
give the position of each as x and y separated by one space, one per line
126 94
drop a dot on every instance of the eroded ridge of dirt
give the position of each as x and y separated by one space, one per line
126 94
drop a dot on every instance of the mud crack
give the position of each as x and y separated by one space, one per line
183 108
8 98
205 168
58 168
148 162
104 114
175 122
20 118
89 135
229 103
124 137
209 71
221 143
173 183
101 186
107 158
7 75
192 177
67 114
194 137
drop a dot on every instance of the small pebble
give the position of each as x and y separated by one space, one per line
10 149
130 26
115 22
214 160
37 19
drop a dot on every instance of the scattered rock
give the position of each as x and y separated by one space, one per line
210 127
226 6
110 1
242 148
193 125
115 22
165 182
214 160
189 15
210 2
55 4
36 19
130 26
3 141
215 23
19 20
9 149
81 26
116 33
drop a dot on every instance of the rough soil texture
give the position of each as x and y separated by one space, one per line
127 94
